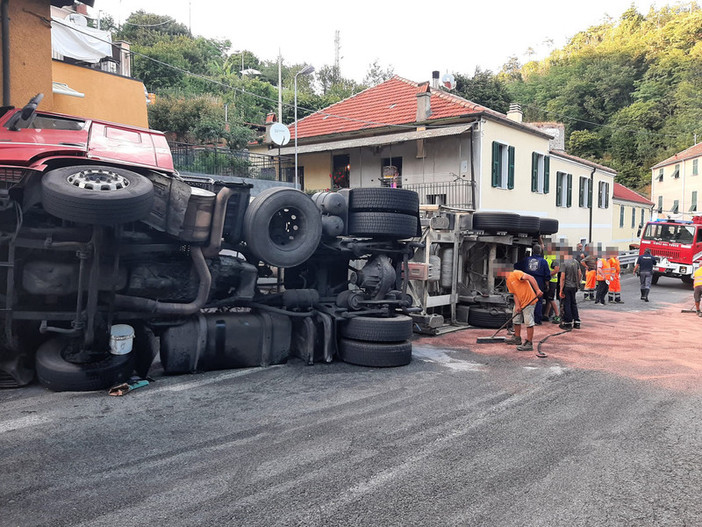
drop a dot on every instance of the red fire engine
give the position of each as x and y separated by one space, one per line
678 246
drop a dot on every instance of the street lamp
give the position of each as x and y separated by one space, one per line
304 71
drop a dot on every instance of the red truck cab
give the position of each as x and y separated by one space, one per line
678 246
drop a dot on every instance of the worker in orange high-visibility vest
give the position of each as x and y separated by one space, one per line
603 276
589 263
615 285
697 284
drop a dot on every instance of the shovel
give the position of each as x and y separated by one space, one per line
494 338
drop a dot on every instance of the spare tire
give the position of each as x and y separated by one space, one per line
529 224
548 226
282 227
96 195
383 199
492 222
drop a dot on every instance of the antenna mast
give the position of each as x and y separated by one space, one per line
337 49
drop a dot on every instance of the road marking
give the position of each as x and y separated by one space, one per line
444 359
182 386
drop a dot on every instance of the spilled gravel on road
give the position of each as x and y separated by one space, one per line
661 346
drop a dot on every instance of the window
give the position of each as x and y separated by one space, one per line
693 201
341 171
621 216
642 218
676 206
660 204
502 165
603 196
540 165
676 172
695 167
633 217
564 188
391 175
660 174
585 193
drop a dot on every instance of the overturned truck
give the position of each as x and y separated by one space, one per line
109 257
452 274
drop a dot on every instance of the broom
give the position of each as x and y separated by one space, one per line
494 338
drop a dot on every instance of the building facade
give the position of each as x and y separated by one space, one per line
676 185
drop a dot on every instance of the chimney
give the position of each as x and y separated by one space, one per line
423 102
435 79
271 119
515 112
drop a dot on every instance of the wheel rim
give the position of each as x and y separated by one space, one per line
98 180
287 227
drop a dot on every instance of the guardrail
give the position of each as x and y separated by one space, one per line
628 257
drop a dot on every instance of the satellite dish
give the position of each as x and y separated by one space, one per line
77 19
280 134
448 81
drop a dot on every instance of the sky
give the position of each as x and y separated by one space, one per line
412 38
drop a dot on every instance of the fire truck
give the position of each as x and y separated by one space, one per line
678 246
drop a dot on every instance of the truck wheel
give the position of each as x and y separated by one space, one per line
383 200
548 226
483 317
96 195
687 280
282 227
493 222
382 224
529 224
654 278
375 355
59 375
377 329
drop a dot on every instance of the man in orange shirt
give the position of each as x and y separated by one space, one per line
525 291
615 285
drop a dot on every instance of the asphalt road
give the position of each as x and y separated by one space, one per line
605 431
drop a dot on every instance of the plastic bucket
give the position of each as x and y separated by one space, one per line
121 338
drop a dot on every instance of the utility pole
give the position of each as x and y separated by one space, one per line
337 49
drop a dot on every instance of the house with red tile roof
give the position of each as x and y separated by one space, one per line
630 212
676 184
452 152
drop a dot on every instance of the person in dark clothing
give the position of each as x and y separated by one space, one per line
571 276
644 268
538 267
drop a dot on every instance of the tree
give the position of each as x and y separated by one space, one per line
484 88
376 74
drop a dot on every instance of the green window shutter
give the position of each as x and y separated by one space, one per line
569 191
621 216
496 175
589 193
559 188
534 172
606 195
581 193
547 166
510 167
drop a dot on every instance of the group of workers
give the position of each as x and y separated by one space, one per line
537 281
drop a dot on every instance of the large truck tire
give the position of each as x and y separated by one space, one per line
375 355
59 375
96 195
529 224
493 222
548 226
383 200
483 317
382 224
378 329
282 227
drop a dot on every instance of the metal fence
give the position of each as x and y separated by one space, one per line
221 161
451 193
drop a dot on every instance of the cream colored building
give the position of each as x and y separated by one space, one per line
452 152
676 185
630 213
